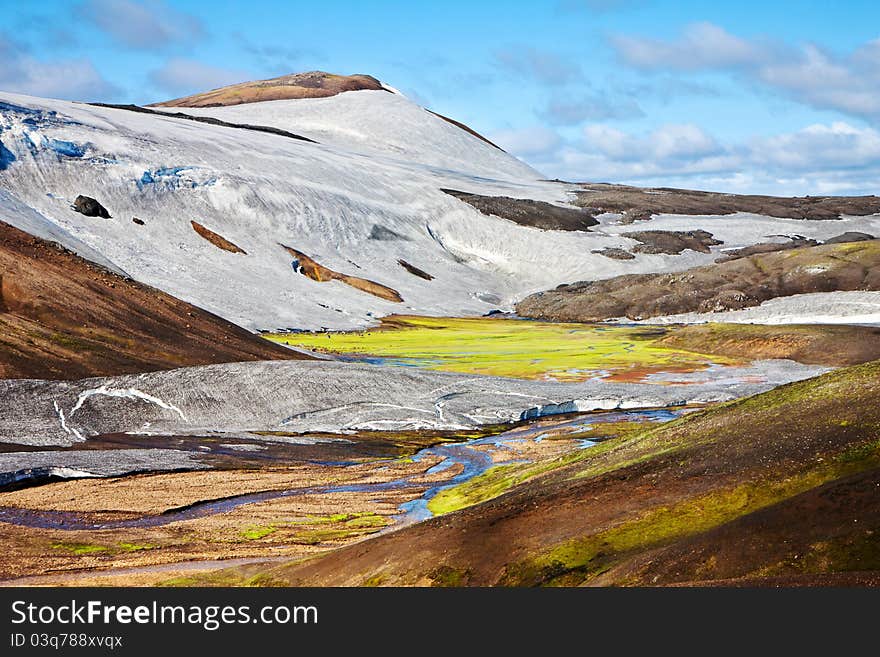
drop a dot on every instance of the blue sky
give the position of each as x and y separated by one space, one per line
761 97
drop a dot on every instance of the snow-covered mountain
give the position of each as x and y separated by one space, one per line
347 208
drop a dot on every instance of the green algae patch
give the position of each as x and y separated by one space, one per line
512 348
492 483
337 527
256 533
135 547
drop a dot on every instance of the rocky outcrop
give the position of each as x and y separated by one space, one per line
615 253
850 236
90 207
415 271
636 203
766 247
731 285
672 242
527 212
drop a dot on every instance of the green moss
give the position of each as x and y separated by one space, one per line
342 526
499 479
492 483
584 558
79 548
257 532
447 576
375 580
135 547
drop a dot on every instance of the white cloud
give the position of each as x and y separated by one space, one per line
701 46
806 73
828 146
668 142
147 25
571 111
540 65
183 76
528 142
835 158
73 79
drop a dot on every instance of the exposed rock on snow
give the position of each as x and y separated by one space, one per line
306 266
615 253
90 207
768 247
216 239
314 84
640 204
415 271
850 236
527 212
363 198
673 242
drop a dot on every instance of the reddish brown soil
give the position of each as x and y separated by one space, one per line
62 317
315 84
216 239
796 540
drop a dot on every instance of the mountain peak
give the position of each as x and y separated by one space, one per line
311 84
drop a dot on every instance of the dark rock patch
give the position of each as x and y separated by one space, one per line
615 253
527 212
415 271
90 207
467 129
671 242
849 236
207 119
766 247
379 232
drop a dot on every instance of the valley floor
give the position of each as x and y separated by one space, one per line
161 479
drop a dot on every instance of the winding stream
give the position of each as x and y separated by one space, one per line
475 457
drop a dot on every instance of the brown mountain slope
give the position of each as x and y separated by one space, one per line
697 499
314 84
731 285
61 317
